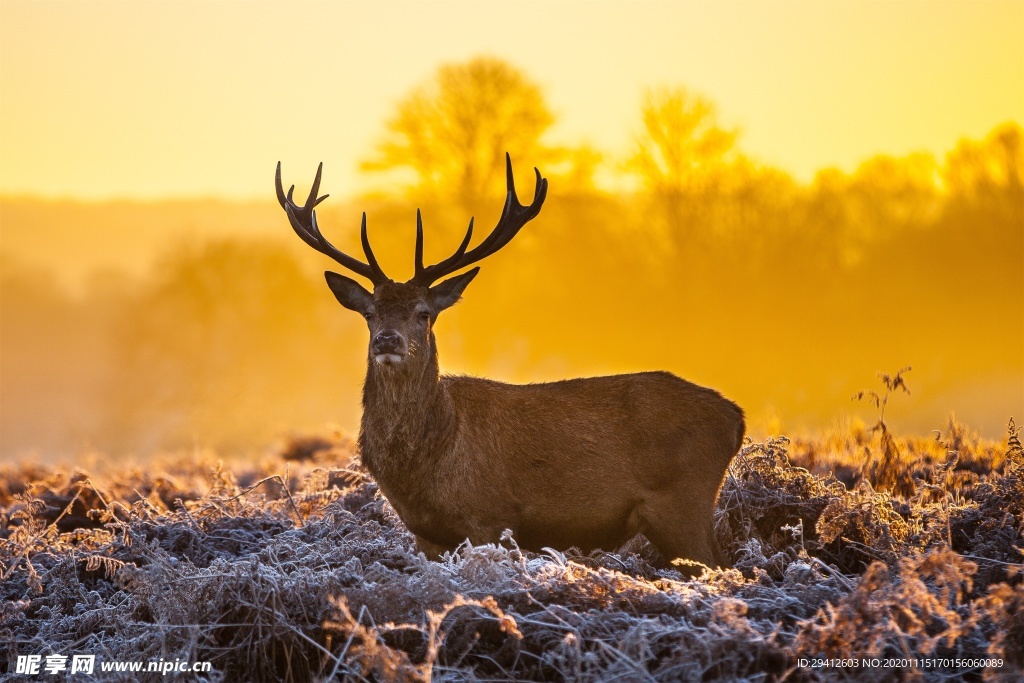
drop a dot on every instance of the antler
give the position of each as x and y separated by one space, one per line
513 217
303 220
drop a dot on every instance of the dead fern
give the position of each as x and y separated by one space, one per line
310 576
1014 450
889 472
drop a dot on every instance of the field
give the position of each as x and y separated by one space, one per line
292 567
740 194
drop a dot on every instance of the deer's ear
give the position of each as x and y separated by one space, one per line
349 293
448 292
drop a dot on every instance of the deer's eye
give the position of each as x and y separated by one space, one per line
368 316
424 316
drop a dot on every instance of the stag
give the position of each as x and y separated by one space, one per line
589 462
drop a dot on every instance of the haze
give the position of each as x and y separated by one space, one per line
868 215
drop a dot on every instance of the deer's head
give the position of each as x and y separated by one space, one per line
400 315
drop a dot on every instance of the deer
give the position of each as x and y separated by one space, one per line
588 462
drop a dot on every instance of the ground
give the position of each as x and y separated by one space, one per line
293 567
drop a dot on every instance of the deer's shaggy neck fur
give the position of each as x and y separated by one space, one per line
408 420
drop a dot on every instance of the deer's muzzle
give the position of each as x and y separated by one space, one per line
388 347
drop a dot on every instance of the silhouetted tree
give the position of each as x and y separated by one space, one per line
681 153
989 172
884 196
453 131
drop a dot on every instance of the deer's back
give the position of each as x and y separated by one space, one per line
636 426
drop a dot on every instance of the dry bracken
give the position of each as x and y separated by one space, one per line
299 570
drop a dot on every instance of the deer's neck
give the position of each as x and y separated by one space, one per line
408 419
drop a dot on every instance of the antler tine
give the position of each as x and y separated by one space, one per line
513 217
303 221
418 262
371 260
425 276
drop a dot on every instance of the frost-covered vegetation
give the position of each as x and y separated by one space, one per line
295 568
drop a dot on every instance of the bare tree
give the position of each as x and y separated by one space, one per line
453 131
989 172
682 151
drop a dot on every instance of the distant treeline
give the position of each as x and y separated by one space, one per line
788 297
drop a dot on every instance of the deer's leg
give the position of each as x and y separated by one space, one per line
675 547
433 551
681 532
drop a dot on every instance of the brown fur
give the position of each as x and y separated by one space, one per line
582 462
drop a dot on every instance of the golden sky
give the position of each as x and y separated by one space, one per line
156 99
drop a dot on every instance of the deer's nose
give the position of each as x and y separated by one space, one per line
388 341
